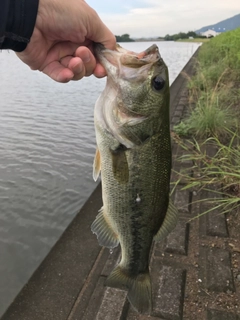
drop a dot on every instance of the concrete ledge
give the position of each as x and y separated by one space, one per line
54 287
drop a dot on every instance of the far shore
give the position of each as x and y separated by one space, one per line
179 40
194 40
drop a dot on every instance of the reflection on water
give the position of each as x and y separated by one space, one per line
47 144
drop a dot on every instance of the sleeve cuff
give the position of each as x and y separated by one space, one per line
20 20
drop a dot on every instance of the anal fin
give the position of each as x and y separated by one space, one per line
169 223
105 234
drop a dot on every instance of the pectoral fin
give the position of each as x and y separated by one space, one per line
96 165
169 222
105 234
120 164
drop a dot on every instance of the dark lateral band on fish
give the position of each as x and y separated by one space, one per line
134 156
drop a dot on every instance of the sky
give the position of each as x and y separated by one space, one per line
154 18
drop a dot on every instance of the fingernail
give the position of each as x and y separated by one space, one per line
86 57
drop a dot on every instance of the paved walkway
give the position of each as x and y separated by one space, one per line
192 271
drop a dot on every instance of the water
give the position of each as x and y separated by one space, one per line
47 145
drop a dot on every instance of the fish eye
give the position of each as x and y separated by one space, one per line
158 83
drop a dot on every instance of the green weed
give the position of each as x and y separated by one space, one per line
215 166
215 89
213 124
212 114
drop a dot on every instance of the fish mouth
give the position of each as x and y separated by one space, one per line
121 57
147 56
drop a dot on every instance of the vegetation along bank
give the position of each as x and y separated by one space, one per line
210 132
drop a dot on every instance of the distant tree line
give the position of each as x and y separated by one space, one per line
182 35
124 38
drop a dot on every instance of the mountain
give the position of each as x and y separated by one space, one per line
222 26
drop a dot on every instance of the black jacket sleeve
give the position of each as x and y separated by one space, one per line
17 21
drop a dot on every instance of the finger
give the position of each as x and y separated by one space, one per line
58 60
99 71
78 68
76 65
87 58
58 72
58 52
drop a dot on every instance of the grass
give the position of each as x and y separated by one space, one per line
219 172
213 170
194 40
223 50
215 89
213 120
211 116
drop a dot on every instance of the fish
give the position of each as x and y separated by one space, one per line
133 155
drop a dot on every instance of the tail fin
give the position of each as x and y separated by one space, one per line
139 288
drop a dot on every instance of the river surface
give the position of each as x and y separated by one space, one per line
47 145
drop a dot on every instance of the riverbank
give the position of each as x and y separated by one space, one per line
209 137
190 268
201 40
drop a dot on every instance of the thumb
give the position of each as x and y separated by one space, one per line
104 36
97 31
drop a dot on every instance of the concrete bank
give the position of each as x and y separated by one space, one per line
69 284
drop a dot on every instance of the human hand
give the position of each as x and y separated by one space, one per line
61 43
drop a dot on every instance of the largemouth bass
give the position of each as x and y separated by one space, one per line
134 156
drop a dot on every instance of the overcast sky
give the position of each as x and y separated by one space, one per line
149 18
